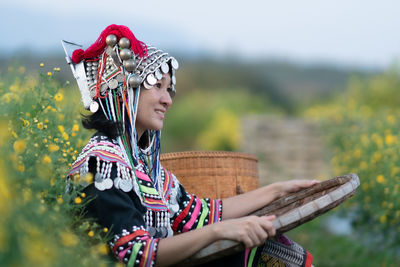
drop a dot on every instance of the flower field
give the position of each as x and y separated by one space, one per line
40 137
363 128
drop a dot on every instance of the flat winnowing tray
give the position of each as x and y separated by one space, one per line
291 211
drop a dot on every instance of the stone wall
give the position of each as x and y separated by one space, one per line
287 148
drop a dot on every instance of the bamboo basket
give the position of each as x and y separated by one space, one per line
213 174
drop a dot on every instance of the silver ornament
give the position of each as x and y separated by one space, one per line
134 81
158 74
129 65
147 85
124 42
174 63
125 54
92 93
164 68
103 88
111 40
151 79
126 185
120 78
113 84
94 107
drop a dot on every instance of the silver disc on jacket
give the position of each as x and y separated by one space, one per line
126 185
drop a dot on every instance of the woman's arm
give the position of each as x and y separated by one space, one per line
251 231
244 204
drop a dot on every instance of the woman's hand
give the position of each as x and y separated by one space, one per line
250 230
294 186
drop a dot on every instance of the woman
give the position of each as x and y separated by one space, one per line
129 87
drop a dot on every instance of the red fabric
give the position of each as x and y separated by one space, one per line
309 258
138 47
182 215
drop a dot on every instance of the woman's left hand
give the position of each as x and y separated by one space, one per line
294 186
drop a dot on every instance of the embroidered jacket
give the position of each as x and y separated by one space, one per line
137 210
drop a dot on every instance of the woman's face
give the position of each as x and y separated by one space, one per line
153 103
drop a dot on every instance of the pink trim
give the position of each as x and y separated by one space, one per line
193 217
142 176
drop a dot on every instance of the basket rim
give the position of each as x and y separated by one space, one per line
207 154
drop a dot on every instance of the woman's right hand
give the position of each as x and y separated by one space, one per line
250 230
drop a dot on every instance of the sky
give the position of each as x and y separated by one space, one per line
348 32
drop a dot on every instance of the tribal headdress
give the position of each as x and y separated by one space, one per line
110 74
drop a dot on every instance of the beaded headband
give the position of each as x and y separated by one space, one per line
117 61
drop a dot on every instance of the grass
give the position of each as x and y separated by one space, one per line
329 249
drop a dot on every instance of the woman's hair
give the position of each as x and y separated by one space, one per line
99 122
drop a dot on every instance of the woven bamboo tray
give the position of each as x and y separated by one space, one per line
213 174
291 211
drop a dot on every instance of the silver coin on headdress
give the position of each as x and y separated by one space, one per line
174 63
151 79
103 88
158 74
164 68
93 93
120 78
173 79
147 85
113 84
94 107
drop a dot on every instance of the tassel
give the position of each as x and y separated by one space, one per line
97 48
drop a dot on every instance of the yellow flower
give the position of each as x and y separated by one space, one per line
40 125
69 239
59 97
49 73
383 219
45 140
53 147
19 146
60 199
88 178
41 64
91 233
390 139
357 153
105 229
391 119
21 167
380 179
102 249
363 165
83 195
61 128
65 136
78 200
46 159
75 127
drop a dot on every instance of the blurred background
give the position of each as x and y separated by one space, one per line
310 87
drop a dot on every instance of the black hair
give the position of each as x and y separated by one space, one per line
100 123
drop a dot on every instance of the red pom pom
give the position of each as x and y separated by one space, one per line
97 48
77 55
